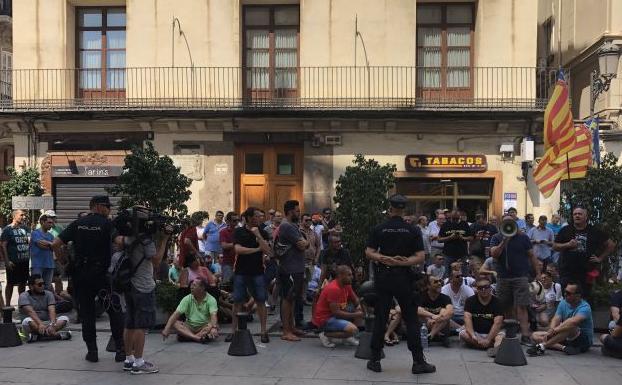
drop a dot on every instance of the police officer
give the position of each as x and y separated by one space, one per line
393 247
92 241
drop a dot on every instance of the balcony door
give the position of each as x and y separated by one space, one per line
101 52
269 175
271 41
445 51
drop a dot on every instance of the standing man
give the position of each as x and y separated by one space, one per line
555 225
455 236
422 222
226 242
14 242
42 256
211 234
250 245
482 232
542 239
514 259
434 228
92 239
332 257
188 241
59 269
582 247
394 246
312 253
514 214
529 223
291 268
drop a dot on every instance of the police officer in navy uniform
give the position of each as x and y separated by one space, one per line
394 247
92 242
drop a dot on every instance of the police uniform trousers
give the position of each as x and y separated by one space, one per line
389 283
87 286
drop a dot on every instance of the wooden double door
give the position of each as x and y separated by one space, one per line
269 175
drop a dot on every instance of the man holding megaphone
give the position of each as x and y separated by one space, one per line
512 250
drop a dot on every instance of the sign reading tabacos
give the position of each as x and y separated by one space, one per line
445 163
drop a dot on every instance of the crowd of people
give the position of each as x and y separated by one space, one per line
432 279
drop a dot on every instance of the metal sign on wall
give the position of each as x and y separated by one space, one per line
32 203
446 163
86 171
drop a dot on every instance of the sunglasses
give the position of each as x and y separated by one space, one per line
39 284
566 292
484 287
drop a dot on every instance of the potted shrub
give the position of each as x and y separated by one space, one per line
167 299
601 293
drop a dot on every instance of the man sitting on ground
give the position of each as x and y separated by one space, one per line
615 305
338 310
437 269
38 309
436 310
458 291
200 310
483 319
571 330
612 343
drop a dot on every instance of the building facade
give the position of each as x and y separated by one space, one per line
262 101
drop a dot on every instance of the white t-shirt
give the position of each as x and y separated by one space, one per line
458 299
553 295
469 281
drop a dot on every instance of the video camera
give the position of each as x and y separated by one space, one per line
141 220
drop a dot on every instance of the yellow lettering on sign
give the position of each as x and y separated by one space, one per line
469 160
413 162
436 161
461 161
428 160
478 161
444 160
452 160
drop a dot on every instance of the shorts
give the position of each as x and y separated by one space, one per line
227 273
291 285
613 345
334 324
26 321
242 284
513 292
18 275
140 309
580 342
483 336
458 318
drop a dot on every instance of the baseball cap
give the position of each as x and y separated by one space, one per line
50 213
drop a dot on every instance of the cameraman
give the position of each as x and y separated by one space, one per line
91 236
137 238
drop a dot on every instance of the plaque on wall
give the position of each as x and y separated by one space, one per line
190 165
446 163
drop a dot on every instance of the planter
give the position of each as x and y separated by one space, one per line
601 317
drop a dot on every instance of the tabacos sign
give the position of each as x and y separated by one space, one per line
446 163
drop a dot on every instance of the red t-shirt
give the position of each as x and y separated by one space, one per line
228 256
184 250
332 293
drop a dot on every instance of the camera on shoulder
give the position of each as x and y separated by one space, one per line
140 220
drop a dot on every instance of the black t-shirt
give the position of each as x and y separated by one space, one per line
332 259
488 231
455 248
616 299
434 306
396 237
248 264
591 241
92 241
483 316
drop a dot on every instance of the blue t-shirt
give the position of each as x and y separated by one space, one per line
554 227
41 258
213 236
565 311
516 263
522 225
17 246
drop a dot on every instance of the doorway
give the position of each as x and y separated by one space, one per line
269 175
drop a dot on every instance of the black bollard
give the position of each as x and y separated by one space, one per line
112 346
242 343
8 332
363 351
510 352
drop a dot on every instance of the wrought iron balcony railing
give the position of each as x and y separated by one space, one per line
302 88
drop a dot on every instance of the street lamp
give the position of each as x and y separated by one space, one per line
600 79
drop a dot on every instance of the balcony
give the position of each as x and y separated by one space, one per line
6 8
216 89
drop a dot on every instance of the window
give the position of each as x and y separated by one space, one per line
6 75
253 163
271 50
444 47
101 51
285 164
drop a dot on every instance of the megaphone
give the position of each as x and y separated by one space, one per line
509 228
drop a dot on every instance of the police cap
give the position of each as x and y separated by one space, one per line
398 201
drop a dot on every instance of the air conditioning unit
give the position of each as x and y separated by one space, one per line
332 140
527 149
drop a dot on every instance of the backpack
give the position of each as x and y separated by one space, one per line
121 269
280 249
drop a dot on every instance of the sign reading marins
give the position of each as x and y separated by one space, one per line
446 163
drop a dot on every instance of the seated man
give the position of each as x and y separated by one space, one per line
612 343
483 319
201 311
338 310
547 298
437 269
436 310
571 329
38 310
615 304
458 291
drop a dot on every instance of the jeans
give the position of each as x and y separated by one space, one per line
46 273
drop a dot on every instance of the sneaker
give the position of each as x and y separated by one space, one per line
423 367
145 368
351 341
64 335
326 342
536 350
127 366
374 366
526 341
92 356
206 339
492 352
32 338
265 338
571 350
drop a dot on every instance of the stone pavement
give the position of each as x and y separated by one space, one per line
305 363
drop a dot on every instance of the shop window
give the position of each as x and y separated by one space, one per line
253 163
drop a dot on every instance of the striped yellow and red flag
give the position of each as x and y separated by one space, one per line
559 138
580 158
